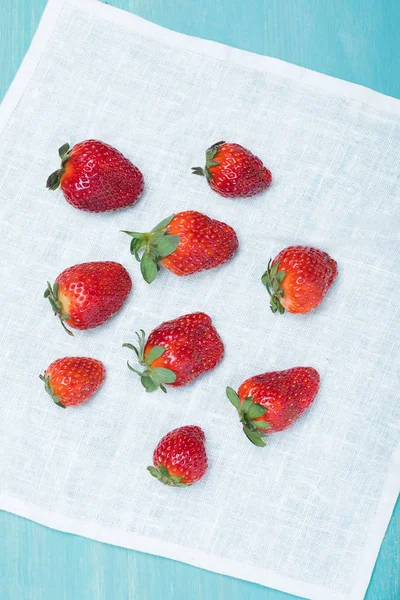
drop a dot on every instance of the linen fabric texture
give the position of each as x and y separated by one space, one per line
307 513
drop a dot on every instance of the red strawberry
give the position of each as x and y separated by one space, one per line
96 177
298 279
185 243
73 380
234 172
178 351
180 457
273 401
87 295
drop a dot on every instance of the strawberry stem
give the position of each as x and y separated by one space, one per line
210 162
162 474
53 181
51 293
151 377
272 279
150 248
50 391
249 414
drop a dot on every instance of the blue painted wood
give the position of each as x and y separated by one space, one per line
356 40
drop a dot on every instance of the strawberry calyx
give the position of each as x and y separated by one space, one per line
150 248
53 181
152 378
56 399
210 162
162 474
249 413
272 280
51 293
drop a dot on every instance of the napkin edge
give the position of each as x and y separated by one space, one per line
172 551
213 49
245 58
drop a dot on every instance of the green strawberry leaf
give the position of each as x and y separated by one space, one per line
151 378
154 245
261 424
51 293
60 404
49 390
63 151
177 479
212 150
66 328
246 421
154 472
197 171
148 267
165 246
233 397
141 335
138 241
130 346
53 305
163 223
132 369
148 383
255 410
162 375
135 234
135 246
274 270
163 470
254 436
274 305
53 181
163 475
272 280
275 285
280 276
155 353
246 404
265 280
157 235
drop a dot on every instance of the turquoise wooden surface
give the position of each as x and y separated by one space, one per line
356 40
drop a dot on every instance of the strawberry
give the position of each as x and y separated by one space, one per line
180 457
87 295
177 351
96 177
73 380
273 401
234 172
185 243
298 279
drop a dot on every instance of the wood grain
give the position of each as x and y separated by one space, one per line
355 40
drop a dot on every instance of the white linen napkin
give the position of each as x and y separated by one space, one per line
307 513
